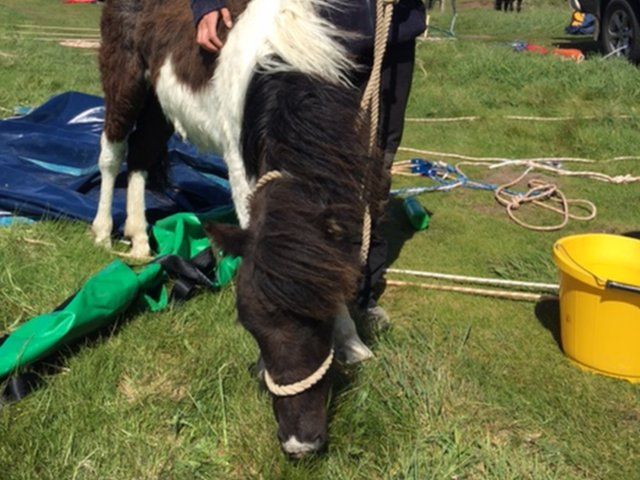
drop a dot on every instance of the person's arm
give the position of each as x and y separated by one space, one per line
206 16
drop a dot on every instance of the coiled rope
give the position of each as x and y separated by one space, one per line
540 193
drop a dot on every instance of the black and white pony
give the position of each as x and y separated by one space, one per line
278 104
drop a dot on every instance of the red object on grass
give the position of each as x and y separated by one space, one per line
536 49
565 53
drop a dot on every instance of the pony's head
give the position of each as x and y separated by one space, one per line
293 278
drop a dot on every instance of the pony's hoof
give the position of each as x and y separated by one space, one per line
140 251
101 232
354 351
377 319
101 240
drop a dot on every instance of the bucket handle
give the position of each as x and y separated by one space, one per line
622 286
609 284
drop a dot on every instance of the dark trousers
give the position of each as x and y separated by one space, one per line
397 75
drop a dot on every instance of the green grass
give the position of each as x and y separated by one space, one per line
461 387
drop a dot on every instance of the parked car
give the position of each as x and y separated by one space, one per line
618 27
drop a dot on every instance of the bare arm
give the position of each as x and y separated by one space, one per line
207 29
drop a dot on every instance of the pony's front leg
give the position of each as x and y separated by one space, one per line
111 155
349 347
135 227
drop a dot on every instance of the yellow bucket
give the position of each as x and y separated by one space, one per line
600 303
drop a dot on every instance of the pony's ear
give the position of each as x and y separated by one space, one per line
230 238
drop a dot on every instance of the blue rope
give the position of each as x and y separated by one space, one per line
446 176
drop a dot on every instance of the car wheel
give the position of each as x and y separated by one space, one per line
621 31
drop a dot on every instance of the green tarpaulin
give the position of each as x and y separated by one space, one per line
111 292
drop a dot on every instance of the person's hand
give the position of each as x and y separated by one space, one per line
207 30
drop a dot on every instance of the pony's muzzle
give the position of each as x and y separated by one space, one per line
297 449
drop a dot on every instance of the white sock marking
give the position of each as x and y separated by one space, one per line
111 156
136 225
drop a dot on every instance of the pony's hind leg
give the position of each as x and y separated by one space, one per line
147 157
124 91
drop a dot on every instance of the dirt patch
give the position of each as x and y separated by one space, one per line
149 386
503 176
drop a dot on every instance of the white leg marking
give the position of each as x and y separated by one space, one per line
349 347
111 156
136 225
298 449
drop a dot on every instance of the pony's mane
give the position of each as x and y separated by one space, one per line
306 227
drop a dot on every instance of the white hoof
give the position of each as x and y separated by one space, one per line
353 351
102 234
140 250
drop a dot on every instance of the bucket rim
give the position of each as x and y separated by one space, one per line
568 265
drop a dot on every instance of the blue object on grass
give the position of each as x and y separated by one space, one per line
587 27
7 220
446 178
48 167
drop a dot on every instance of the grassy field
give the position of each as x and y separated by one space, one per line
461 387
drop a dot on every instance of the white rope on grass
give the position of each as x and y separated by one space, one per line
497 159
442 119
498 282
524 118
602 177
521 296
565 119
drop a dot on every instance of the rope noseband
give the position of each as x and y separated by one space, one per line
301 386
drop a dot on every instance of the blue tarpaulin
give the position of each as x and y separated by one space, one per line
49 167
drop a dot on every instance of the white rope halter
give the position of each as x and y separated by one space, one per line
301 386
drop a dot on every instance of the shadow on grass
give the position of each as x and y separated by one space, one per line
396 229
635 235
587 45
548 314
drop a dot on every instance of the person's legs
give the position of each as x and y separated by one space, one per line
396 82
397 76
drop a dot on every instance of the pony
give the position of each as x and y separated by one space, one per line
507 5
279 104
